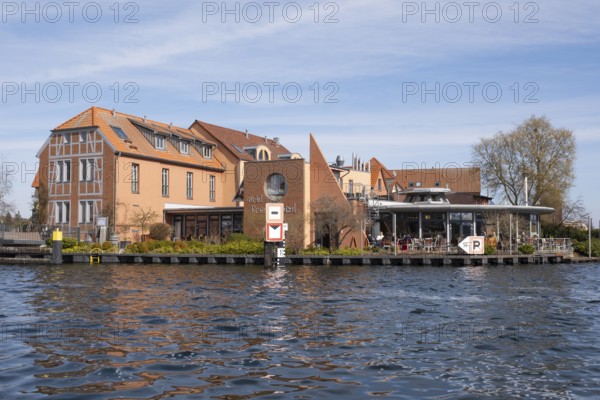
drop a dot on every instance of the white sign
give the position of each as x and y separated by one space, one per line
274 232
473 245
285 227
102 221
281 252
274 212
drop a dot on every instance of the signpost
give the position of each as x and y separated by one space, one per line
274 234
473 245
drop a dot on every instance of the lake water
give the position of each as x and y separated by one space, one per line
239 332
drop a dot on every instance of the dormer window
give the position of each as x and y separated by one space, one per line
184 147
263 155
159 142
207 152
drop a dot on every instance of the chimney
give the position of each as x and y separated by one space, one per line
276 140
170 125
266 140
339 161
144 118
114 113
246 134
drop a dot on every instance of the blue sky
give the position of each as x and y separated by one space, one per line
484 68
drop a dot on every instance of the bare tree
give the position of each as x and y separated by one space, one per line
143 218
39 205
333 219
5 188
534 150
573 210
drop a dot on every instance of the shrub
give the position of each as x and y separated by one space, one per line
69 243
526 249
239 237
489 249
347 252
582 248
107 246
160 231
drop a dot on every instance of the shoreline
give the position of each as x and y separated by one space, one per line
419 259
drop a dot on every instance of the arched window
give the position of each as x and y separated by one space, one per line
263 155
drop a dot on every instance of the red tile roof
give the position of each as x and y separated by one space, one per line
237 141
136 143
376 168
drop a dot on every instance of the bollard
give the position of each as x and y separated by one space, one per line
268 254
57 246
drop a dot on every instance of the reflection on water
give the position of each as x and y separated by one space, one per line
228 332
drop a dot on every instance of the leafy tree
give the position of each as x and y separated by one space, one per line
536 150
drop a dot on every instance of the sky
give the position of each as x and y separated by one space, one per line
407 82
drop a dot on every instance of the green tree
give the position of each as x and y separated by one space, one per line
534 150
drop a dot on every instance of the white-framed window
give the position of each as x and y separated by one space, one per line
135 178
86 170
165 182
159 142
184 147
189 190
86 212
263 155
83 137
65 138
207 152
211 187
62 212
62 171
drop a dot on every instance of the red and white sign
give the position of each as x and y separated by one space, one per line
274 212
274 232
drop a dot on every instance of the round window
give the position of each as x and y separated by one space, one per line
276 187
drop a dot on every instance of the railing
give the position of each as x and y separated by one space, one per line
545 246
36 233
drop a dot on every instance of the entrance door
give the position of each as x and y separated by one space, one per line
177 224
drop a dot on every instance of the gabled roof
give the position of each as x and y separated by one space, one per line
136 143
237 141
376 168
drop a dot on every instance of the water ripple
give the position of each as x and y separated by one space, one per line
232 332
